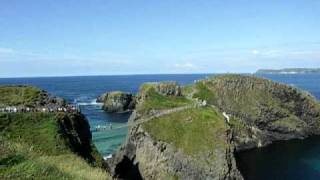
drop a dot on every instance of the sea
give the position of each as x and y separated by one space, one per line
295 159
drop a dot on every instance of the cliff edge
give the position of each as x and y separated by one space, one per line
44 145
192 132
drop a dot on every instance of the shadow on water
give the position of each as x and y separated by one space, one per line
293 159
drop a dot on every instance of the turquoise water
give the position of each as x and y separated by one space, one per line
84 90
297 159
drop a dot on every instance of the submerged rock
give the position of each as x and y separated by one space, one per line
117 101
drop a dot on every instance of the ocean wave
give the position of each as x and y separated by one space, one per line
91 103
107 157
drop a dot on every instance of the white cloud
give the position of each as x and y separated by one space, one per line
186 65
255 52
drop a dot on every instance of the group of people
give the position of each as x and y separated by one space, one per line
14 109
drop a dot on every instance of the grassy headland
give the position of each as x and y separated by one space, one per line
194 131
156 101
45 145
18 95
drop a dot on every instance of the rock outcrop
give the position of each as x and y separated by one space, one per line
170 88
156 149
144 157
117 102
75 129
196 142
261 111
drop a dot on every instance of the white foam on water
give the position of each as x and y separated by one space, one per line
91 103
107 157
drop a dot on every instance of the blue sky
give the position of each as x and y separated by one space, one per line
102 37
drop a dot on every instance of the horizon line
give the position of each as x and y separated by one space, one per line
96 75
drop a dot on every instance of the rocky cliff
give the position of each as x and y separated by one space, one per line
177 136
173 137
261 111
45 145
117 101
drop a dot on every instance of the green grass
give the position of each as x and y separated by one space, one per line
157 101
194 131
20 161
187 89
204 93
32 147
18 95
116 93
252 100
39 130
241 94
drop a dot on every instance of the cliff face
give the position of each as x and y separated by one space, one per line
75 130
149 157
261 111
172 137
37 145
185 135
117 101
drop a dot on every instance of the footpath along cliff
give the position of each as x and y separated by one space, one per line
192 132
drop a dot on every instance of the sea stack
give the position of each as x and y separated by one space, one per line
117 101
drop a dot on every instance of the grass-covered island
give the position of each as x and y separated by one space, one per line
44 145
192 132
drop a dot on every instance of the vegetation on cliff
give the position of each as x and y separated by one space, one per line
175 136
38 145
265 110
151 99
18 95
194 131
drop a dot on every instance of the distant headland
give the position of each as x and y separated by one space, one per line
289 71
